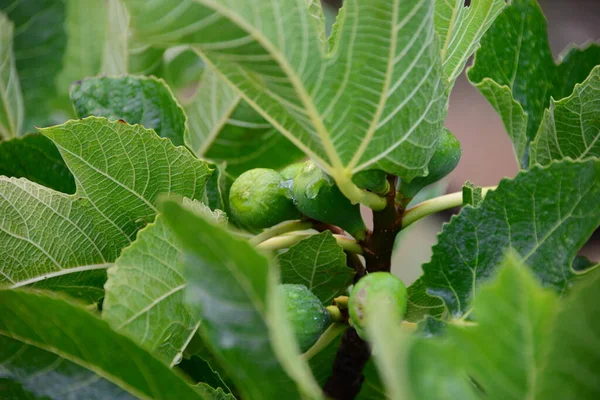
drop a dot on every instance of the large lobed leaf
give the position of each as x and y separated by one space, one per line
515 71
573 358
375 100
57 350
11 99
135 99
545 214
53 240
232 290
319 263
571 127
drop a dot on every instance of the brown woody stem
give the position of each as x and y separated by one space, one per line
347 376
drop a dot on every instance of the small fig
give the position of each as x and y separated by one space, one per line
308 317
317 196
445 158
374 180
369 292
261 198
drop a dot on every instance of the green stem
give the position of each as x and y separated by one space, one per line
358 195
280 229
326 338
435 205
287 240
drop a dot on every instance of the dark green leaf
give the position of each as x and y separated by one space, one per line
11 99
231 288
545 214
135 99
515 71
319 263
36 158
55 348
39 25
571 126
199 370
505 351
472 195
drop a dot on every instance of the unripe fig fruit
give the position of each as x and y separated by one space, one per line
444 160
317 196
260 198
307 316
374 180
369 292
291 170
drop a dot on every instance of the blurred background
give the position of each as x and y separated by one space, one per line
487 152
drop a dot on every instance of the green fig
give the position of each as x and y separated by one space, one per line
261 198
374 180
291 170
369 292
317 196
307 316
444 160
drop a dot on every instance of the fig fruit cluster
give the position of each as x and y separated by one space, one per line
261 198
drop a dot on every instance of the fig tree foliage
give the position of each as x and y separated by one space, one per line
202 199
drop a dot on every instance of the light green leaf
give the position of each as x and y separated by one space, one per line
572 363
571 126
144 294
53 240
39 25
349 110
545 214
518 313
460 28
42 348
420 304
145 286
134 99
115 48
434 373
503 71
85 26
319 263
390 346
224 128
232 290
36 158
11 107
